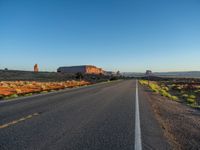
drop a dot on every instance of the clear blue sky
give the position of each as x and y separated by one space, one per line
125 35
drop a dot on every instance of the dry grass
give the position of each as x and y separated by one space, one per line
13 89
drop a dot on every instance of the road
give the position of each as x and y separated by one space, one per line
99 117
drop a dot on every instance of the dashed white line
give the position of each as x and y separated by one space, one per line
138 143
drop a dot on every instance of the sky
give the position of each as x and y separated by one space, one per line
125 35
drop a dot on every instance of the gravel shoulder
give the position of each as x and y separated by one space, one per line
181 124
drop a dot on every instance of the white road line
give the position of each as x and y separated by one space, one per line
138 144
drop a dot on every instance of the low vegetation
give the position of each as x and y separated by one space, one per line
160 89
187 92
14 89
15 75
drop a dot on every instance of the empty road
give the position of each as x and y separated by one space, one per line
109 116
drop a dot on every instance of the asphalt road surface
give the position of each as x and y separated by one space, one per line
99 117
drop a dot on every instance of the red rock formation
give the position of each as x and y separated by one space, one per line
36 69
93 70
88 69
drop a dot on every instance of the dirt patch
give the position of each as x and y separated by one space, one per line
181 124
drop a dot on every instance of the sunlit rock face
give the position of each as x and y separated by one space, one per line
36 69
88 69
93 70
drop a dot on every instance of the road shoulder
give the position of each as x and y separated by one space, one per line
181 124
152 133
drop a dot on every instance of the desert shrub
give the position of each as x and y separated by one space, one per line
28 94
185 95
192 96
44 92
52 90
143 82
173 85
190 100
195 106
155 90
162 90
179 88
165 88
43 87
182 92
164 93
18 91
27 82
197 91
153 85
174 98
169 86
11 96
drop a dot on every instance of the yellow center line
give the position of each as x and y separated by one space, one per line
18 120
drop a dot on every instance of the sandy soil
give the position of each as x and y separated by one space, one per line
181 124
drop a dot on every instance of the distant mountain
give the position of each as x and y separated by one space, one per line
188 74
132 74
